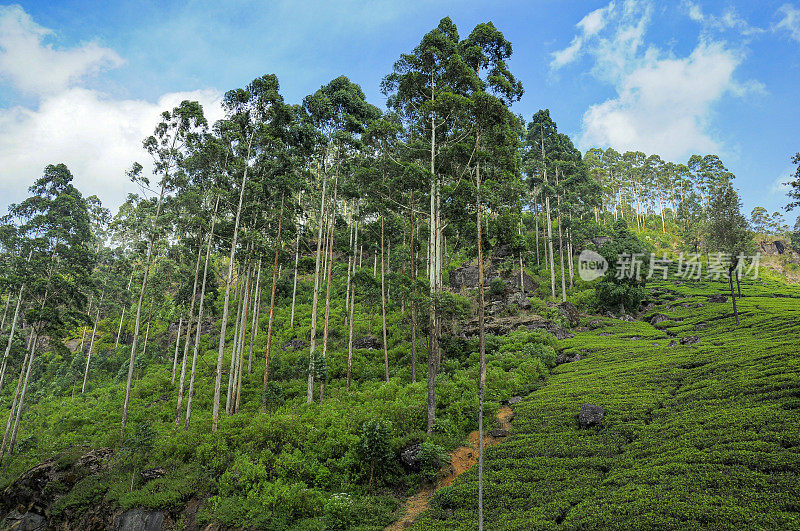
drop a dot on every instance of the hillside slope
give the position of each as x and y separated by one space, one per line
701 435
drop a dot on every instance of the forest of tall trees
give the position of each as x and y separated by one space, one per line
319 224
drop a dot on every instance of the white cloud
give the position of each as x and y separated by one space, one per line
790 21
34 67
664 101
729 20
96 136
589 25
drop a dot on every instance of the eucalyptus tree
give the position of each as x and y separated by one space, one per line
340 113
794 186
540 146
252 112
496 146
55 225
167 148
428 87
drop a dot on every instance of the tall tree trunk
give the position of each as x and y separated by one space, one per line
328 274
315 296
91 345
294 288
549 228
11 337
352 314
482 346
186 341
432 312
248 297
383 307
122 317
228 281
200 317
177 348
235 349
272 300
561 247
12 414
256 312
412 303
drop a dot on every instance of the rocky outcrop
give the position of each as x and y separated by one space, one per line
590 416
294 344
570 313
690 340
717 298
139 520
567 357
500 326
466 277
367 342
26 502
410 457
658 318
518 299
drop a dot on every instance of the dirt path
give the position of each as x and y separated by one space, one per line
461 459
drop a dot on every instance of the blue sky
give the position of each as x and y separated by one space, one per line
83 82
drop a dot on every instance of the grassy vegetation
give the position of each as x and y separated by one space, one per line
694 436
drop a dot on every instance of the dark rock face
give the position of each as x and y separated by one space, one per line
367 342
570 312
498 433
717 298
600 241
672 343
567 357
503 325
658 318
690 340
410 457
502 251
514 400
140 520
26 501
294 344
466 277
528 285
590 415
773 247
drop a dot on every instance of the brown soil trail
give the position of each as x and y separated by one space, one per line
461 459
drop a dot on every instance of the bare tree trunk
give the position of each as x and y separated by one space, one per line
122 317
482 344
91 346
350 263
186 341
733 296
352 314
228 280
383 306
272 300
256 312
315 297
235 349
248 296
200 317
177 348
11 337
16 400
137 322
328 274
561 248
22 399
294 288
413 258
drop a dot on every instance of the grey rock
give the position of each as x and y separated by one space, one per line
519 299
567 357
658 318
294 344
717 298
570 312
514 400
367 342
498 433
410 456
690 340
28 521
672 343
140 520
152 473
590 415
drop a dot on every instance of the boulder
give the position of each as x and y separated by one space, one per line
518 299
599 241
24 521
567 357
498 433
690 340
570 312
717 298
773 247
140 520
658 318
672 343
590 415
294 344
410 456
514 400
528 284
367 342
502 251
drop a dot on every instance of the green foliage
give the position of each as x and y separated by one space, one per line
497 287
